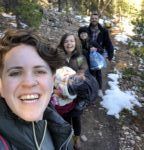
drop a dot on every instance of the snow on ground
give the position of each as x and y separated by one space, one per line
141 64
85 20
13 24
122 38
116 100
101 21
128 27
23 25
13 17
138 44
1 34
8 16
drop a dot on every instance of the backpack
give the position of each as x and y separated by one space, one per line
3 144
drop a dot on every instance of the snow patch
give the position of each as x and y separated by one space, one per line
122 38
116 100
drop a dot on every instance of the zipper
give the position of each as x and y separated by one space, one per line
67 141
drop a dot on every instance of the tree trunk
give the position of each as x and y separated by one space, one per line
59 5
7 5
18 22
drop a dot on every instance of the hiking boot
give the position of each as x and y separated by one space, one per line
77 143
100 93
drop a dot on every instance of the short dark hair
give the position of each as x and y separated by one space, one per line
14 37
94 13
82 29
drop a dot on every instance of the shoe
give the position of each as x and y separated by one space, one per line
77 143
100 93
83 138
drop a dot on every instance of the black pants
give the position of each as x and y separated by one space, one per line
74 118
98 75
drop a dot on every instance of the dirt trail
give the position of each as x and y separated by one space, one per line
101 130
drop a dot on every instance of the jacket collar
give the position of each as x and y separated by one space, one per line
99 27
20 133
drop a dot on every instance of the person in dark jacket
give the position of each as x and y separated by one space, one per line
99 41
84 38
82 84
74 59
27 66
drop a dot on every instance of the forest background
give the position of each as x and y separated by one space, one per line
31 12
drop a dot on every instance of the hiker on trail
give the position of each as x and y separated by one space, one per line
27 66
85 43
80 84
98 40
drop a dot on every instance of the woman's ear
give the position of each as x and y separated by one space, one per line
0 86
1 93
1 89
54 76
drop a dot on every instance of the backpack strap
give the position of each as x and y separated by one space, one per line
3 143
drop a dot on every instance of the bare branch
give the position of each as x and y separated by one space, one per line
103 9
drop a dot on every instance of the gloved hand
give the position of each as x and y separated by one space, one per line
74 82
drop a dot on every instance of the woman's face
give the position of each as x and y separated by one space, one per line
84 35
26 83
69 44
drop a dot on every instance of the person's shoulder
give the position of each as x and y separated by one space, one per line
103 29
3 143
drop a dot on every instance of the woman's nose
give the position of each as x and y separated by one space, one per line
29 81
68 43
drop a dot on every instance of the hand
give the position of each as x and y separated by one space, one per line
57 92
75 82
93 49
76 79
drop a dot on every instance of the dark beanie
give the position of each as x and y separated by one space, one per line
82 29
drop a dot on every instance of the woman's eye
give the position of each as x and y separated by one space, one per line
69 41
41 72
65 41
15 73
72 41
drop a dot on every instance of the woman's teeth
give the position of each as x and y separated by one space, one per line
29 97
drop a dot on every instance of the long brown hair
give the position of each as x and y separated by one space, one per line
78 48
